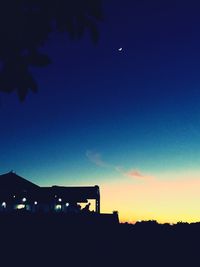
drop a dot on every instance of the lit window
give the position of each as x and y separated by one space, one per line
20 206
58 207
3 204
24 199
35 202
60 199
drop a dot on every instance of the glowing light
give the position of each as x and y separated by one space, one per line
3 204
35 202
14 196
120 49
23 199
55 195
60 199
20 206
58 207
67 204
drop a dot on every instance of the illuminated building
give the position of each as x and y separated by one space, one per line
18 193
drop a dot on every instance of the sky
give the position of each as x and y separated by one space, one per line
127 120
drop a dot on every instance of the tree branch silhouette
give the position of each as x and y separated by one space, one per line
26 25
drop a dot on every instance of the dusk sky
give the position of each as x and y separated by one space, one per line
128 121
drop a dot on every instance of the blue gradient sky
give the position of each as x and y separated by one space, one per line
108 117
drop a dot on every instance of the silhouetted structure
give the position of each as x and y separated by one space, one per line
18 193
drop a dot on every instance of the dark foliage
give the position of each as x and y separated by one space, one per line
54 240
26 25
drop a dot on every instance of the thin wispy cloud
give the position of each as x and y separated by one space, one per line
135 174
96 158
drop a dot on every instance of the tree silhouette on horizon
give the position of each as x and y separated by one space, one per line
25 27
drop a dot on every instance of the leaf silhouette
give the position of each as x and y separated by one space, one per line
26 25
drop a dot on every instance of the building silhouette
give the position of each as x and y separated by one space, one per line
18 194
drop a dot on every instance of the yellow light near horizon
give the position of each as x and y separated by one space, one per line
170 201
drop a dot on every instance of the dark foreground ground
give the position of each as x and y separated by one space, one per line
56 241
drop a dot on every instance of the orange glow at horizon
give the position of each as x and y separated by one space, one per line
164 200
